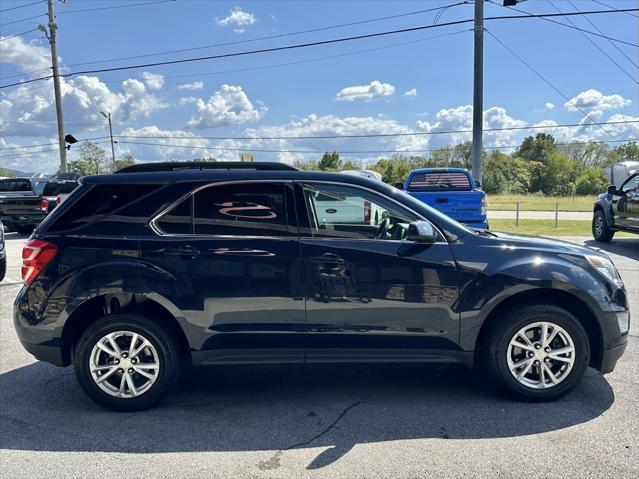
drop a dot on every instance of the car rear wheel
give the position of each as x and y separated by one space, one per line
126 362
600 230
538 352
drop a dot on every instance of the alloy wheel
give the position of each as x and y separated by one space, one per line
124 364
541 355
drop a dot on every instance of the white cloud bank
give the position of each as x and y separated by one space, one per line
228 106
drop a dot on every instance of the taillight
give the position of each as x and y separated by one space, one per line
44 204
367 211
58 200
484 206
35 256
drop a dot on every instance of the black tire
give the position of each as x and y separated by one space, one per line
24 229
498 339
3 268
600 230
167 351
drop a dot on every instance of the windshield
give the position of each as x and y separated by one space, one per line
15 185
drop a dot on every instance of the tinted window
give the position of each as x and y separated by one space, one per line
178 220
98 202
439 180
340 211
15 185
53 188
631 185
254 209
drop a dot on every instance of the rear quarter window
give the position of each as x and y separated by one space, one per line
100 202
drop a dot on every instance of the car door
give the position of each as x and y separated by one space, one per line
236 263
625 205
370 295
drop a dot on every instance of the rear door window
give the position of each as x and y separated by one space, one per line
178 220
439 180
247 209
15 185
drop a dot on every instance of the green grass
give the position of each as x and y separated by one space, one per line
546 227
540 203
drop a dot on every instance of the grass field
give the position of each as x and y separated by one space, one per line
540 203
546 227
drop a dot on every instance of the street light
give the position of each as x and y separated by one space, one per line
108 117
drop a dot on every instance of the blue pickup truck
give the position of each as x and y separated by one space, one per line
453 191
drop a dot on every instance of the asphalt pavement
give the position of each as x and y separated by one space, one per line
320 421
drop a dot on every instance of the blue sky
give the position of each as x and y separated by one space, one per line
405 83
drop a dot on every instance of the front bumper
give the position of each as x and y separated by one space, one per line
610 357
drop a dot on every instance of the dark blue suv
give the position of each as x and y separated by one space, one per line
142 272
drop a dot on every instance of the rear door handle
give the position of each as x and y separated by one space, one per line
187 252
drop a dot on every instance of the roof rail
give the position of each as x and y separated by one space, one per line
205 165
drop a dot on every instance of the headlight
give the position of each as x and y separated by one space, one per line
606 268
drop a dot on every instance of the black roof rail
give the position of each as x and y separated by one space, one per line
205 165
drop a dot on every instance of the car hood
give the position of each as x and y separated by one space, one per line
538 243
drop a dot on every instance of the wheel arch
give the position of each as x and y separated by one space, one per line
562 299
104 305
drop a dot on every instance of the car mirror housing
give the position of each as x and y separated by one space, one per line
421 232
612 190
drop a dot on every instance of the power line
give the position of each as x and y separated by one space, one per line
19 34
22 20
308 44
613 8
15 155
378 135
269 37
277 65
47 144
219 148
19 6
65 12
609 41
597 46
573 27
543 78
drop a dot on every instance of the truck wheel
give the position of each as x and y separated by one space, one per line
538 352
600 230
3 268
126 362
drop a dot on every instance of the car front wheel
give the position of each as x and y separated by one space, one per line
600 230
3 268
538 352
126 362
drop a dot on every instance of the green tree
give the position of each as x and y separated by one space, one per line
537 148
586 154
559 175
505 175
310 165
6 174
591 182
91 160
124 161
626 152
458 156
536 170
330 162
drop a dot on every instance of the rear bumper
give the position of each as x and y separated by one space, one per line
26 218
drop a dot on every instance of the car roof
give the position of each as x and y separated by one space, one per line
439 170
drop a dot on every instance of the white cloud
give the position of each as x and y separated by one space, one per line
594 100
238 19
187 100
26 56
411 92
461 118
374 89
549 106
155 81
228 106
196 85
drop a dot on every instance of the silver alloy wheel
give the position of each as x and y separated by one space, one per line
599 225
541 355
124 364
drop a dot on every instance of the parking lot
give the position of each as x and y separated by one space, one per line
319 421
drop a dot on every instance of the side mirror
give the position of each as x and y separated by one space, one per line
612 190
399 186
421 232
478 183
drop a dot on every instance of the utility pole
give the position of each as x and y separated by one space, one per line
51 36
478 89
108 117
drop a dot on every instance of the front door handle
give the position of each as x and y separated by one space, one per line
185 252
327 258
